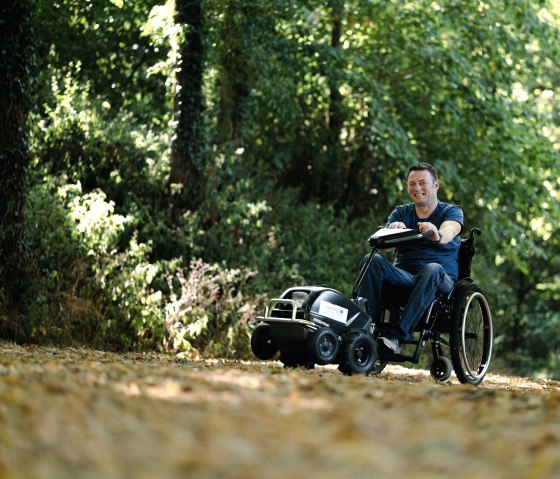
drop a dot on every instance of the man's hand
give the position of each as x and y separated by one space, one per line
423 227
397 225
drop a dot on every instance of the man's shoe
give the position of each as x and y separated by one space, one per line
391 343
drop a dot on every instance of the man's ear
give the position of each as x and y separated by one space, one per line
436 184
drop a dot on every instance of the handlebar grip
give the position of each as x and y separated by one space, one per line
388 243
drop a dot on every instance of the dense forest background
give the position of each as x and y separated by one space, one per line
167 166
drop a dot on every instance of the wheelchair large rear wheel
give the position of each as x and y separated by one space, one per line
471 334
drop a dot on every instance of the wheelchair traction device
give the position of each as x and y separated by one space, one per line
311 325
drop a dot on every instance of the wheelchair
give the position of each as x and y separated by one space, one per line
311 325
459 321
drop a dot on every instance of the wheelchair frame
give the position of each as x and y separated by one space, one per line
463 315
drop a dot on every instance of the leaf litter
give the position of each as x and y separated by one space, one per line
79 413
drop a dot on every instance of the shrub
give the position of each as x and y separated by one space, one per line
208 314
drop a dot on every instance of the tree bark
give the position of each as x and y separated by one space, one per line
234 81
186 179
335 121
16 61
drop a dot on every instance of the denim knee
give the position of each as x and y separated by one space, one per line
431 269
435 274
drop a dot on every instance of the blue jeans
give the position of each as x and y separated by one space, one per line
383 278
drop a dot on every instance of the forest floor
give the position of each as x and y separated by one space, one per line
78 413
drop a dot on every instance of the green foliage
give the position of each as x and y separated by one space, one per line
69 236
107 40
58 310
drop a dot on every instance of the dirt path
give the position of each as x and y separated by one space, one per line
88 414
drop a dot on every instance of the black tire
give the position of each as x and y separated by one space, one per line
441 368
359 354
323 346
295 360
261 343
378 366
471 334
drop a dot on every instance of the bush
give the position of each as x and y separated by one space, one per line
83 289
208 314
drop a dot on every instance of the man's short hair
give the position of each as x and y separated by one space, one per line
423 167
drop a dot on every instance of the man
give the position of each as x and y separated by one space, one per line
422 268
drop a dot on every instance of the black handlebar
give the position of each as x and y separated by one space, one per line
397 239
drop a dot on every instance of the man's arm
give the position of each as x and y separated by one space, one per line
447 231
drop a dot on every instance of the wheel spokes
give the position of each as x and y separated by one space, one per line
474 337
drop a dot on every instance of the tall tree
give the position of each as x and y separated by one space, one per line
335 99
189 143
15 78
234 82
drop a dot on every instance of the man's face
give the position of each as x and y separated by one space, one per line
422 188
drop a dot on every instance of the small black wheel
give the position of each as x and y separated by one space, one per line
261 343
295 360
359 355
471 334
441 368
323 346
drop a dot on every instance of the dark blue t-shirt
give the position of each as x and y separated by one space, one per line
411 258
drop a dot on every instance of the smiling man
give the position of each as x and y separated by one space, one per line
423 268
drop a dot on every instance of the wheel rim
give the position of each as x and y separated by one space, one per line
441 369
477 336
326 347
361 354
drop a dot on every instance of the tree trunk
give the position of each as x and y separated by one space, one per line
327 169
517 326
16 61
335 121
186 179
234 88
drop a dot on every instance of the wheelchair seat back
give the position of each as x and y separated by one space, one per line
466 253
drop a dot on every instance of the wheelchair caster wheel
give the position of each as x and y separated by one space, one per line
441 369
